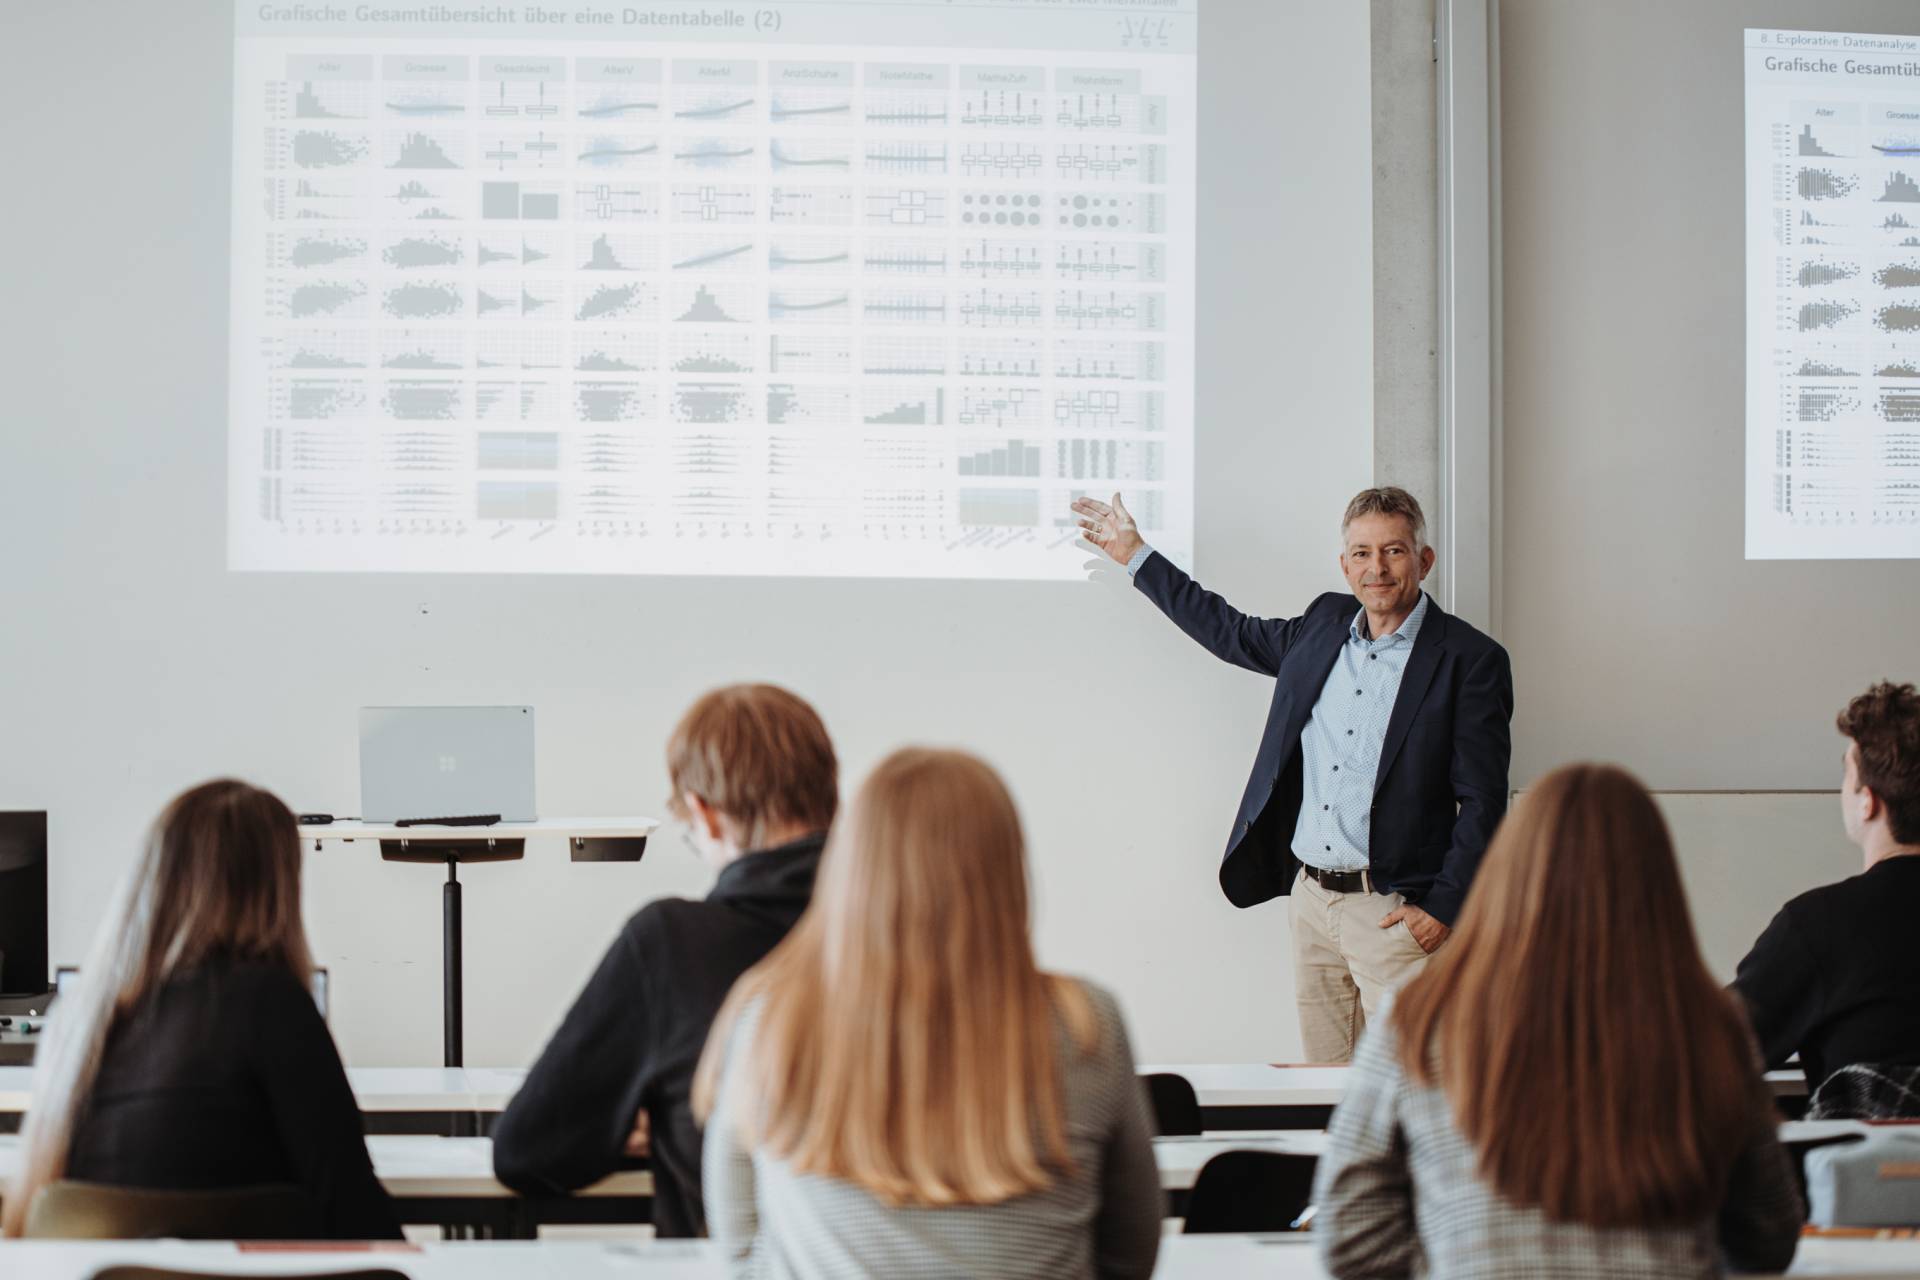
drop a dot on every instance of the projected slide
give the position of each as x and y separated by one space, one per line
827 287
1833 295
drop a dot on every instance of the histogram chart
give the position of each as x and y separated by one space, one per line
1833 296
531 297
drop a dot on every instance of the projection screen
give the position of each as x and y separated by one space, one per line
827 287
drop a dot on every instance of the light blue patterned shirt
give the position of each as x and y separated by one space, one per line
1340 747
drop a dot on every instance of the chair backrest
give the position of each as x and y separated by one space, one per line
68 1210
1250 1191
1176 1108
1868 1091
167 1273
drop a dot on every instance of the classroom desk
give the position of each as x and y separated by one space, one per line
434 1174
1233 1096
1261 1095
18 1047
1224 1257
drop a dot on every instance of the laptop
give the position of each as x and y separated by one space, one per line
446 762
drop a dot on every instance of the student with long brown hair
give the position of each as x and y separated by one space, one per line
1565 1090
899 1090
191 1057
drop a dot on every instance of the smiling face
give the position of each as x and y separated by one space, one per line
1384 566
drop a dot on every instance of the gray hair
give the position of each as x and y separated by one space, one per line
1388 501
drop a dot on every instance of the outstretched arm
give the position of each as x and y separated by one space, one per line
1257 644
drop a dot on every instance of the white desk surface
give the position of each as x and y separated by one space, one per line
590 828
1257 1084
376 1089
423 1165
1263 1084
417 1166
1225 1257
488 1089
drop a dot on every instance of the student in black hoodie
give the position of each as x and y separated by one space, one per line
755 779
1835 978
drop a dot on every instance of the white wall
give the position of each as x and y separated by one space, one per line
132 664
1639 631
1743 854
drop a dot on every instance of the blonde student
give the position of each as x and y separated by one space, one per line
899 1090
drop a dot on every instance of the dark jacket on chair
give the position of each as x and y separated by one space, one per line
227 1078
1442 783
632 1039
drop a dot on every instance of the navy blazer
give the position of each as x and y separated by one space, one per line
1442 784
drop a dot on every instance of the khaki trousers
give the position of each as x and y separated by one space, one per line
1344 962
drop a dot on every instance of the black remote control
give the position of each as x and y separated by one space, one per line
465 820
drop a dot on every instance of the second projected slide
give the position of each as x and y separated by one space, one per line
1833 295
858 290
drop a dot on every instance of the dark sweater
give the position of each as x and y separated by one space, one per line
632 1039
1836 976
226 1078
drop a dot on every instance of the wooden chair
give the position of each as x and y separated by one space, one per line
69 1210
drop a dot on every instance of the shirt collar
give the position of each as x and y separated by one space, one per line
1409 630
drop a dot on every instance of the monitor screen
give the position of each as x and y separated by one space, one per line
23 903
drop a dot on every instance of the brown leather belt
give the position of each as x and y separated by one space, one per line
1340 881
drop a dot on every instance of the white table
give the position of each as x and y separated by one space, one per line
426 1167
1267 1084
1266 1091
576 829
378 1090
1225 1257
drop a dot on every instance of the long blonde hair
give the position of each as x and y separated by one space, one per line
1599 1071
219 879
906 1039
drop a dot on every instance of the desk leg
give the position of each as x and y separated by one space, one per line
451 997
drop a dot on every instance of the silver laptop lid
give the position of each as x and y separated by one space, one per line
446 762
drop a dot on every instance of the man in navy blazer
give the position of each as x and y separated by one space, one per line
1383 769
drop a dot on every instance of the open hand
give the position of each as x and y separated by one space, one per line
1426 931
1110 528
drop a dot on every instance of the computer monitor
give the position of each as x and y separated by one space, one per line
23 903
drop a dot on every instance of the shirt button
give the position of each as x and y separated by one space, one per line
1329 848
1336 768
1326 806
1357 692
1349 733
1373 657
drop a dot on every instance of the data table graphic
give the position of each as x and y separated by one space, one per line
843 296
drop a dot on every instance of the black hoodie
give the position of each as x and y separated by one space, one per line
632 1039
